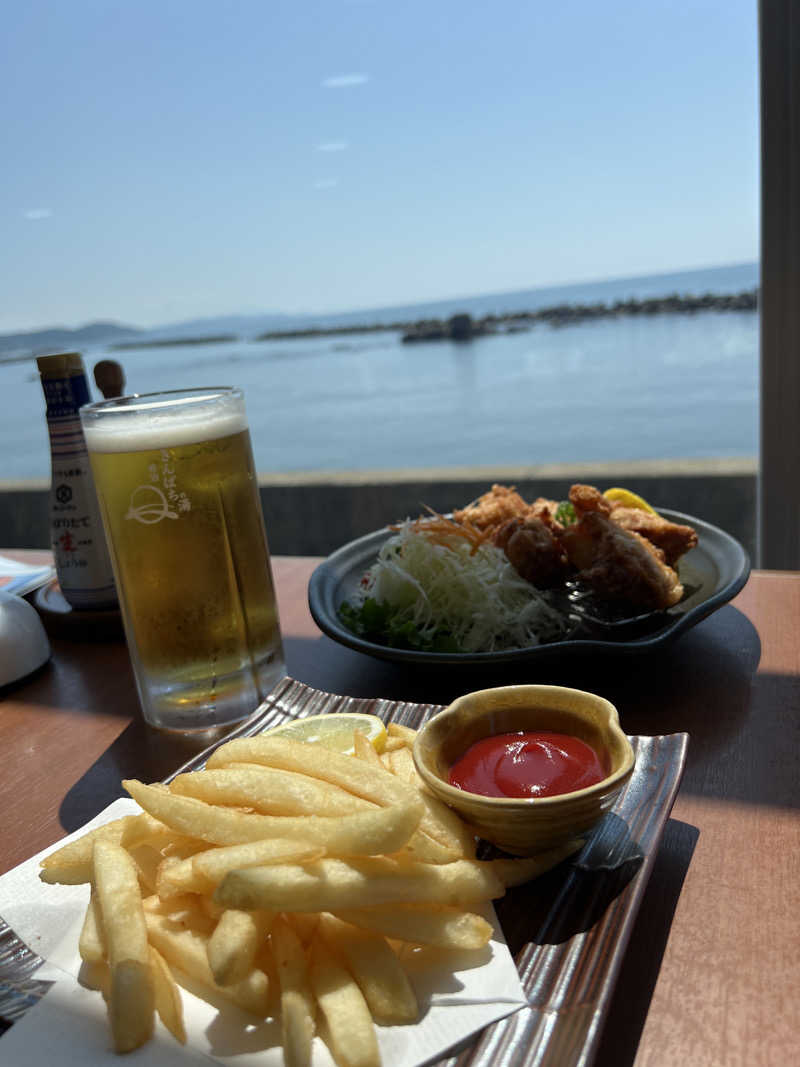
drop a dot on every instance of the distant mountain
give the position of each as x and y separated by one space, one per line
59 338
729 279
734 278
242 325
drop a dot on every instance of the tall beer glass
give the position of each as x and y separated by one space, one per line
179 498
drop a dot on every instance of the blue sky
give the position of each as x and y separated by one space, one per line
181 158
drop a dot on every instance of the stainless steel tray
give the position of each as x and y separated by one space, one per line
568 931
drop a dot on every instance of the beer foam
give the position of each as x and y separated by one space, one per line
148 425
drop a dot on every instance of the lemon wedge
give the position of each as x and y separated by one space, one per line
628 499
334 731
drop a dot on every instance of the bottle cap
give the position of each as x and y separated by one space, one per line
60 363
109 378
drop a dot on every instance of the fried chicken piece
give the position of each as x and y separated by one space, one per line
533 550
620 565
501 503
624 554
543 508
546 510
672 538
586 498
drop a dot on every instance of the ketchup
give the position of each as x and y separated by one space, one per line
527 764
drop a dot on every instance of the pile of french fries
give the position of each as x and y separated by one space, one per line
285 878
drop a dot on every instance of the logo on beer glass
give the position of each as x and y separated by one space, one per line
149 505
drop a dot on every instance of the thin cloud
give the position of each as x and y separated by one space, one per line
332 146
38 213
325 183
344 81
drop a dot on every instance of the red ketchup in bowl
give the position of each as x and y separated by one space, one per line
529 763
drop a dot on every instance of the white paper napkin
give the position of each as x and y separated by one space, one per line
21 578
459 994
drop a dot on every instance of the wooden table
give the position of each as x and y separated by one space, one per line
712 973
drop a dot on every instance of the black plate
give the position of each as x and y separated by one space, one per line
712 574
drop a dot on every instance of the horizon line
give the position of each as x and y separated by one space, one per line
386 307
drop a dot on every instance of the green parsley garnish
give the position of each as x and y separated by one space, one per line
565 513
384 625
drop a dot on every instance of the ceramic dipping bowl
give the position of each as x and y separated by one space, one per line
524 826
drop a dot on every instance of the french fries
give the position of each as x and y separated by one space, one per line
131 995
91 943
381 787
383 829
376 969
72 863
297 1001
212 866
350 1030
167 996
328 884
269 790
234 943
403 733
440 927
186 949
284 878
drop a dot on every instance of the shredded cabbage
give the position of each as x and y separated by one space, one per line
477 597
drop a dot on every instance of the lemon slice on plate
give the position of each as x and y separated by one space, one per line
333 731
628 499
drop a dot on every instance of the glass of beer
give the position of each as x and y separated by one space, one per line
179 498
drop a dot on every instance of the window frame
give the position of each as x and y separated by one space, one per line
779 459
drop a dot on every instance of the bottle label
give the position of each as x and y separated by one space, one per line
81 557
64 396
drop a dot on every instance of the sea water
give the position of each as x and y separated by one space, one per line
665 386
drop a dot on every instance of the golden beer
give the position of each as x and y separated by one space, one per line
179 498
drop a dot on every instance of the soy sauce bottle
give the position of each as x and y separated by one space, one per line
76 530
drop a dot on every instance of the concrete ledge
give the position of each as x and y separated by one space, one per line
566 472
314 513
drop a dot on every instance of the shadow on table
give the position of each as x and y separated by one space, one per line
641 963
566 933
139 752
568 903
80 675
725 648
571 898
703 684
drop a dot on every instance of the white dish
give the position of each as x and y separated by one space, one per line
23 642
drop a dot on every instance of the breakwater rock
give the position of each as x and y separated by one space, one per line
463 327
171 342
